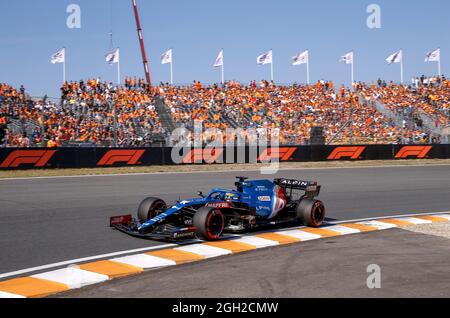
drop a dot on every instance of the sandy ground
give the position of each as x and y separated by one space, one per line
437 229
214 167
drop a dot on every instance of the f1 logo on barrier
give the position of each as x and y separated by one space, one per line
39 158
282 154
413 151
130 157
353 153
199 155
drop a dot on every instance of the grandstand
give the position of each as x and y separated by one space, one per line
95 113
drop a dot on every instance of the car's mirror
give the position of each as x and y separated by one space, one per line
200 193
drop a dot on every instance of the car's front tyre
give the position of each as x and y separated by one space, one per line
209 223
149 208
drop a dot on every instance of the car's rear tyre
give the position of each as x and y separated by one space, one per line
149 208
209 223
311 212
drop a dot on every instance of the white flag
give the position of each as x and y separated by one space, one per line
301 58
397 57
219 60
264 58
113 57
166 57
347 58
59 57
433 56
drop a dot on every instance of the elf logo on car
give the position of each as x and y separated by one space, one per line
130 157
203 155
282 154
346 152
413 151
39 158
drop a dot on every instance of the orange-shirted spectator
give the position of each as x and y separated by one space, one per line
52 143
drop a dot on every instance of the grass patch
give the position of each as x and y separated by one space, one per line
213 167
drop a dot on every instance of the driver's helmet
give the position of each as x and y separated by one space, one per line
230 197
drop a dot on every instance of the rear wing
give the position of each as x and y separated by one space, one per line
311 188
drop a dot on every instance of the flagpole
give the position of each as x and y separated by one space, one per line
118 71
401 67
353 70
171 73
307 70
271 68
223 72
271 71
171 66
64 66
439 63
223 77
223 65
439 66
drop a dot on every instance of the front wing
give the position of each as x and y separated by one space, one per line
165 232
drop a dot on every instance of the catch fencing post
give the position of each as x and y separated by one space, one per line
43 142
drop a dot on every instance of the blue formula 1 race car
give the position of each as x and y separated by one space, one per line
252 204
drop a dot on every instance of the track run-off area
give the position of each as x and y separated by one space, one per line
53 220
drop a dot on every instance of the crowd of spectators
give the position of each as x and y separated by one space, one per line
87 114
97 103
12 102
294 110
98 113
428 96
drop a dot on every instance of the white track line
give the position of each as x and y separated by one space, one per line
301 235
415 221
249 239
9 295
144 261
204 250
222 171
342 229
259 242
445 216
379 225
73 277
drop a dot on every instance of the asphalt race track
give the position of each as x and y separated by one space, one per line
50 220
412 265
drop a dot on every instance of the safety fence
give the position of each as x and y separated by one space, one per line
31 158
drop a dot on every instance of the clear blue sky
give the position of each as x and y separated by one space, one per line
30 31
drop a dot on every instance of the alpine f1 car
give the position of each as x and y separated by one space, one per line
252 204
